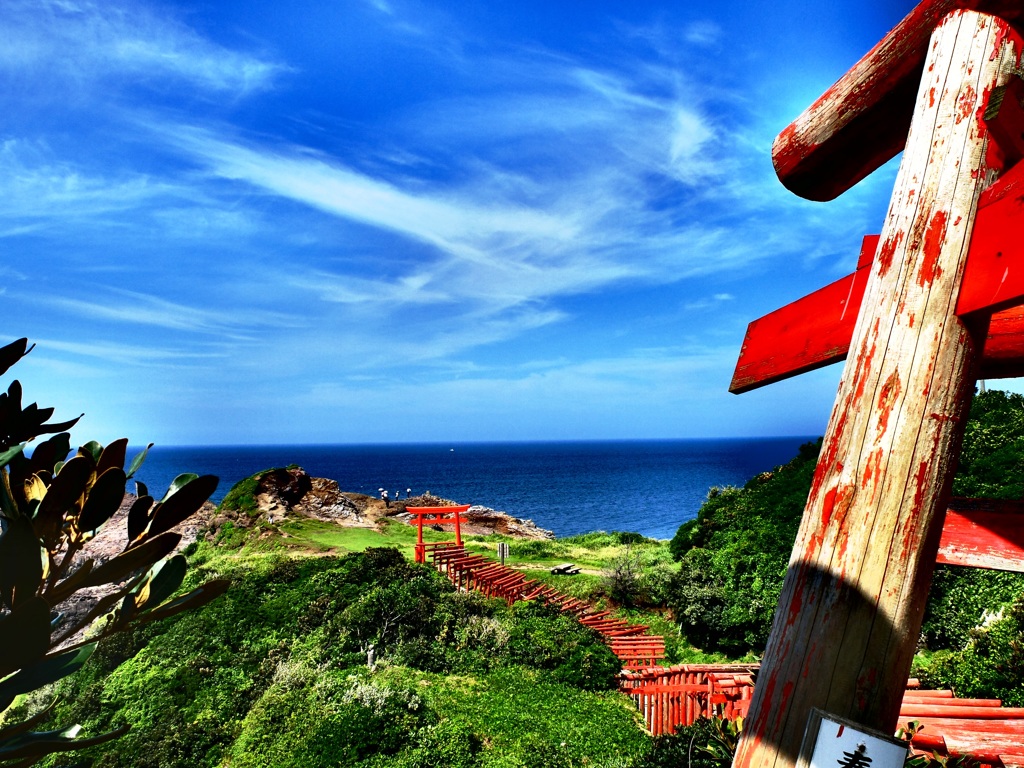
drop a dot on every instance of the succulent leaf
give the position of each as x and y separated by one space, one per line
10 453
12 353
21 562
37 744
44 672
104 499
24 639
93 450
27 725
131 560
161 582
178 483
197 598
184 503
137 461
112 456
35 489
138 515
64 492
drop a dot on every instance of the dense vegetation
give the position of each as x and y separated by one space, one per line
276 673
733 558
361 658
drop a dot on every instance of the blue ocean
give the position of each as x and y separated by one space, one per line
648 486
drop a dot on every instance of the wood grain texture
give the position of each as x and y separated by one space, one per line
851 607
863 119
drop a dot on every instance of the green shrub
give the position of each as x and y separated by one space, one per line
958 600
543 638
991 665
733 557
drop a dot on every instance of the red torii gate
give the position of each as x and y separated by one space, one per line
934 303
436 516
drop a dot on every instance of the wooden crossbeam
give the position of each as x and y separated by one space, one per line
982 533
815 331
862 121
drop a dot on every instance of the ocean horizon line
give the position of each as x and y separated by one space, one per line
431 443
650 486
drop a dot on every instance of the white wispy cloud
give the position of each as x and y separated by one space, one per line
85 40
133 308
38 186
128 354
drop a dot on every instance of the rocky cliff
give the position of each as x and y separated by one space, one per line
283 493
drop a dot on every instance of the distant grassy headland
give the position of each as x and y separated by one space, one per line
332 648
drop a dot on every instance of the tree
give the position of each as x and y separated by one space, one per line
51 507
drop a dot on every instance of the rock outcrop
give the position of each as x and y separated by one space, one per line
292 492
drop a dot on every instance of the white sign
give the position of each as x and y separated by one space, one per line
840 743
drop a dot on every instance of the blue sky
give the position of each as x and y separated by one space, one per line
380 220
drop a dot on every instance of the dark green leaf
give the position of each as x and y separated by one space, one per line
137 461
104 499
71 584
178 483
21 562
10 453
183 504
27 725
24 637
134 559
161 583
60 426
44 672
34 745
196 598
64 492
138 515
46 455
12 353
93 450
113 456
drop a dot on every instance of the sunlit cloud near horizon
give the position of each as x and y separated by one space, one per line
373 222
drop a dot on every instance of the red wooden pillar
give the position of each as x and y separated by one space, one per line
851 608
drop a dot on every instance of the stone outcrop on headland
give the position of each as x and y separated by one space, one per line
292 492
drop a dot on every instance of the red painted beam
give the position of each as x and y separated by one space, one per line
994 277
810 333
983 533
863 120
815 331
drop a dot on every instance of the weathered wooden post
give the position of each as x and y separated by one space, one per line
852 603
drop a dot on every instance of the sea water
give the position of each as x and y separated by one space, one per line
648 486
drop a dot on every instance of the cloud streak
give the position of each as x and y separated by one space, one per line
87 41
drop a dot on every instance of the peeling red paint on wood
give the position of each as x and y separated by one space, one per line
862 120
860 611
873 469
887 398
966 104
887 251
933 241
